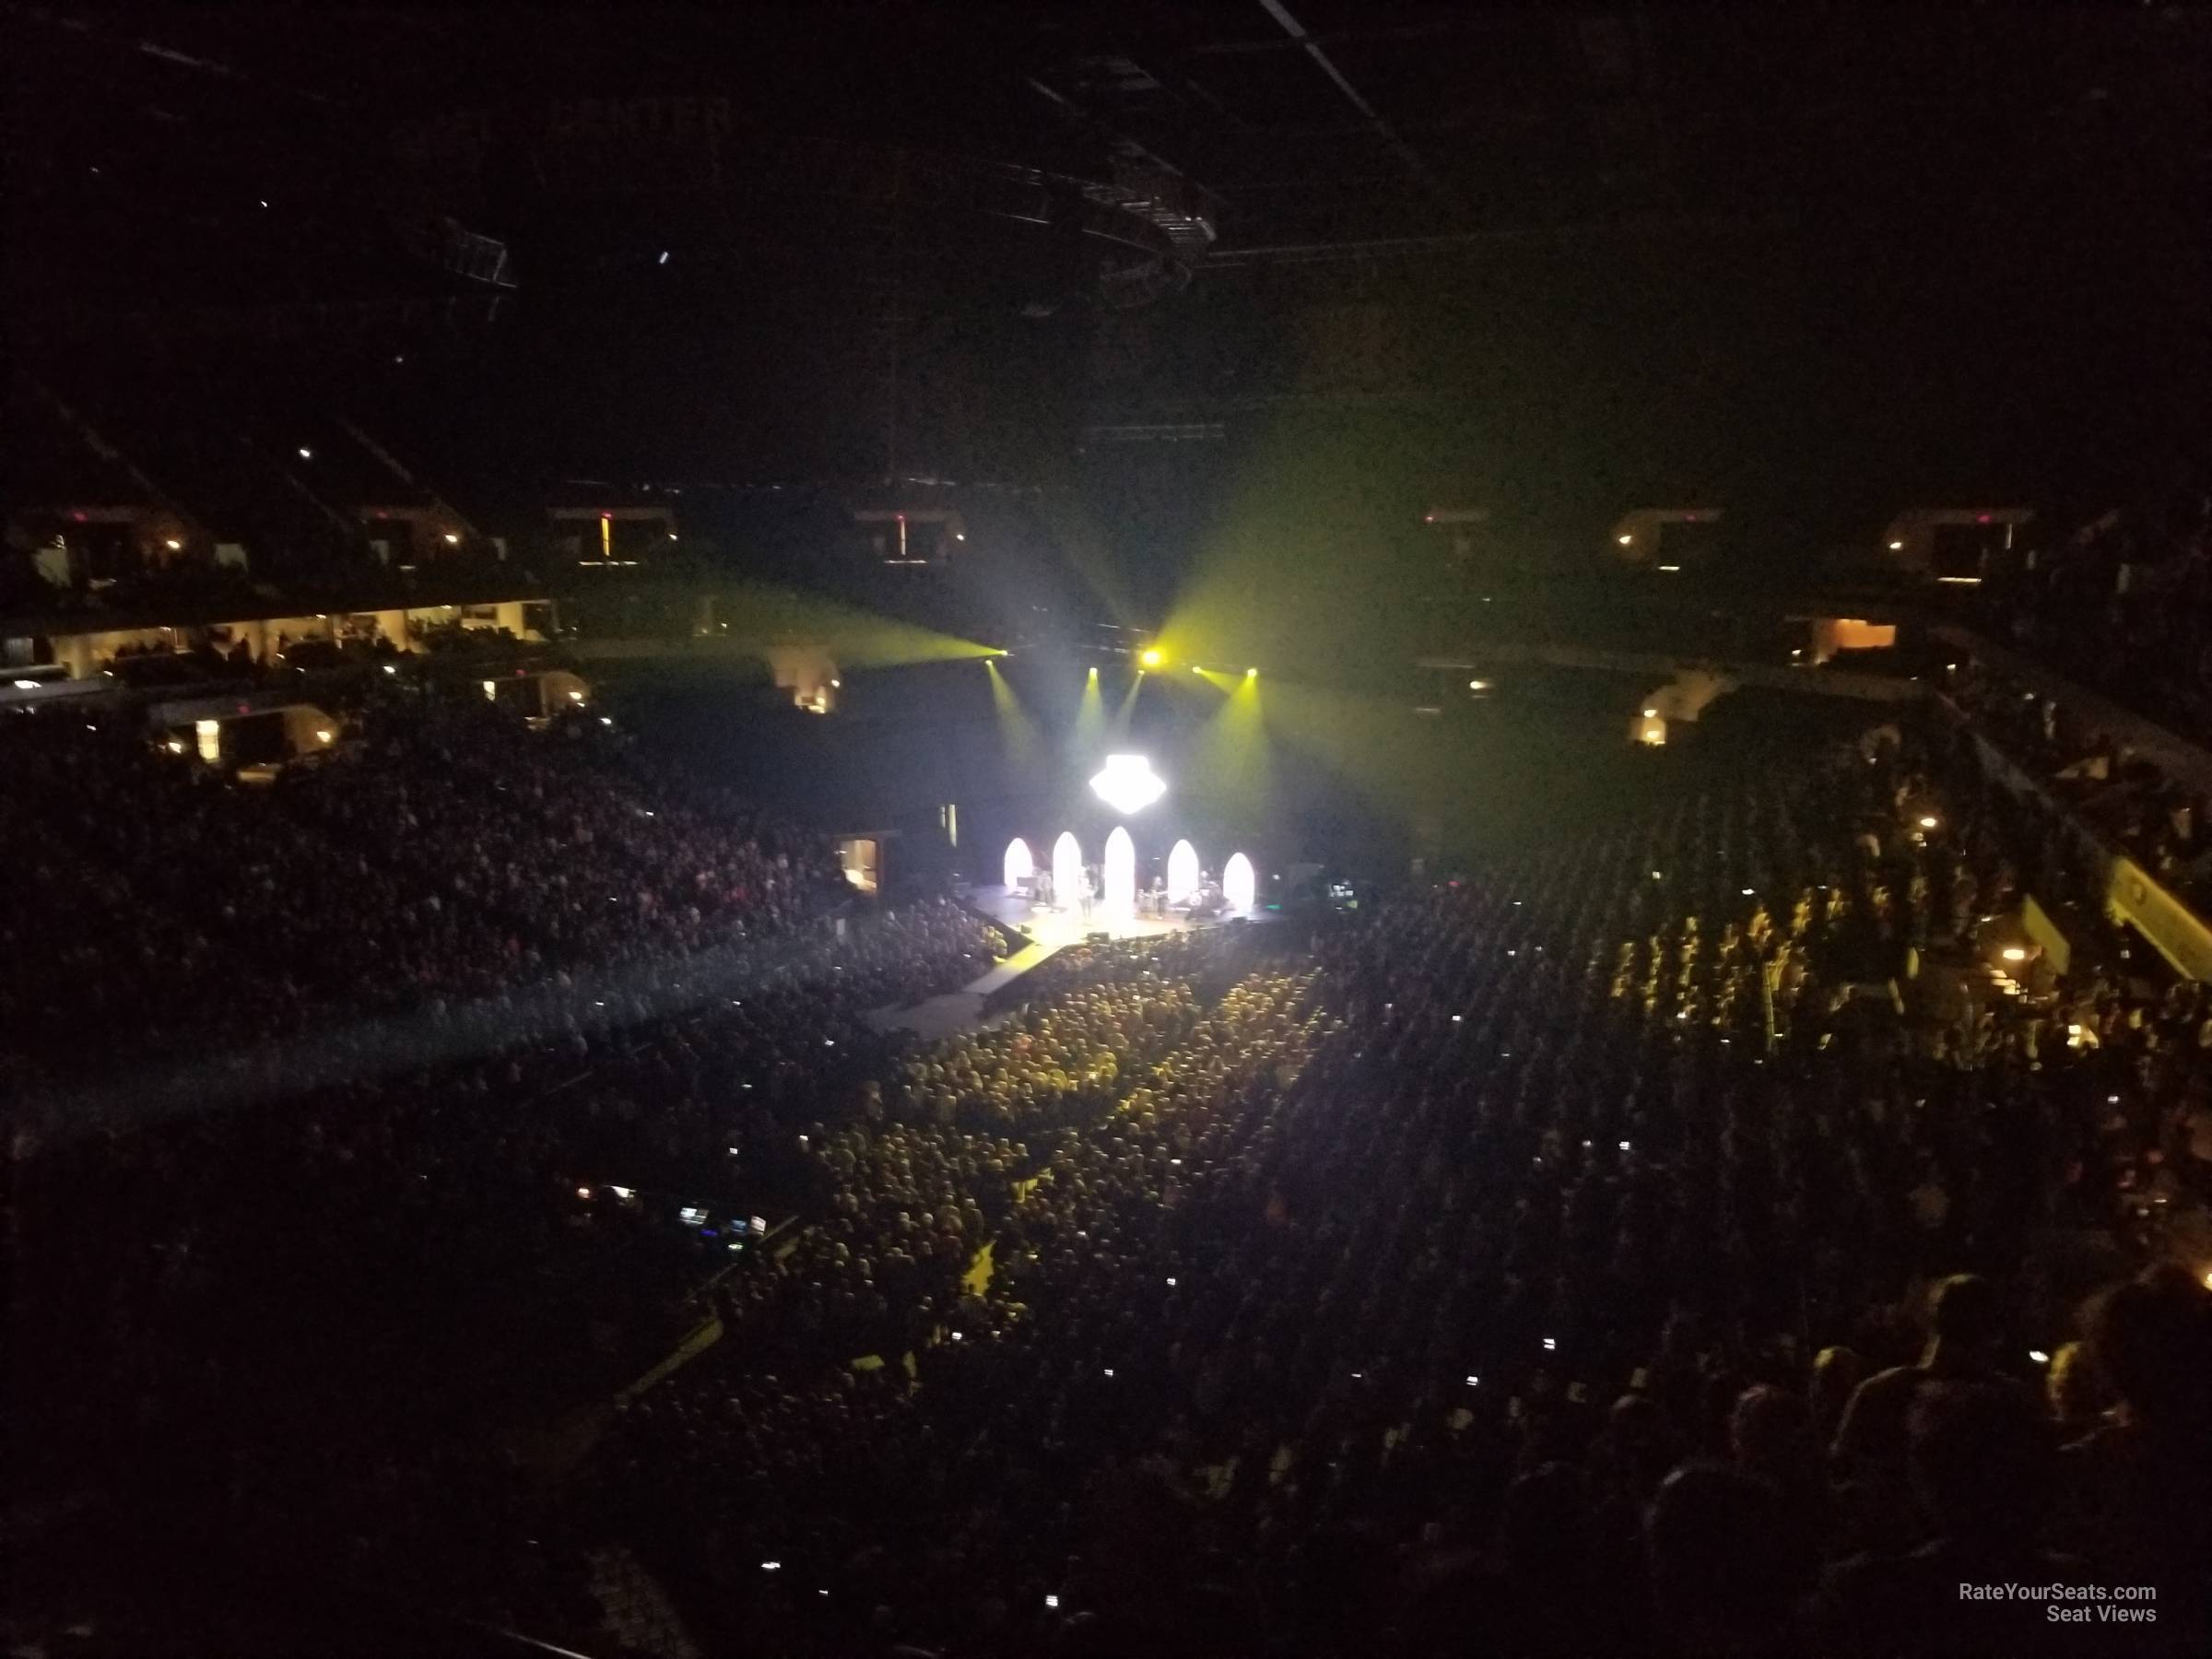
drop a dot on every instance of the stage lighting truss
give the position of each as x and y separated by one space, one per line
1128 784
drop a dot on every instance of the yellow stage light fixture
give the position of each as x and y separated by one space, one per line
1151 656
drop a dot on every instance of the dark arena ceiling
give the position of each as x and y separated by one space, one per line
1073 212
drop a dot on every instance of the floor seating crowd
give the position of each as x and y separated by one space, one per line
1494 1281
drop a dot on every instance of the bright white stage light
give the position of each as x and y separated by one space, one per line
1020 867
1067 870
1182 872
1120 875
1238 883
1128 784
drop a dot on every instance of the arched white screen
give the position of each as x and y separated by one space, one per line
1238 883
1182 872
1067 870
1120 875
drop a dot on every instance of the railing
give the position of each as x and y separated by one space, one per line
2130 893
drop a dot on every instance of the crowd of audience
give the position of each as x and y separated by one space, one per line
1502 1277
1648 1245
441 857
329 1310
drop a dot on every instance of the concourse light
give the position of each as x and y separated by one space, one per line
2013 953
1670 569
452 539
1897 547
1479 684
306 453
1650 714
172 543
1624 540
1927 820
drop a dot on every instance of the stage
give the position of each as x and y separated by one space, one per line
1060 927
1049 930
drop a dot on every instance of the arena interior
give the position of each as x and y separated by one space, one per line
962 831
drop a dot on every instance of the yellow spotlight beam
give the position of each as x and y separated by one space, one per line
1235 753
1013 722
1376 745
1088 736
1120 729
757 615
